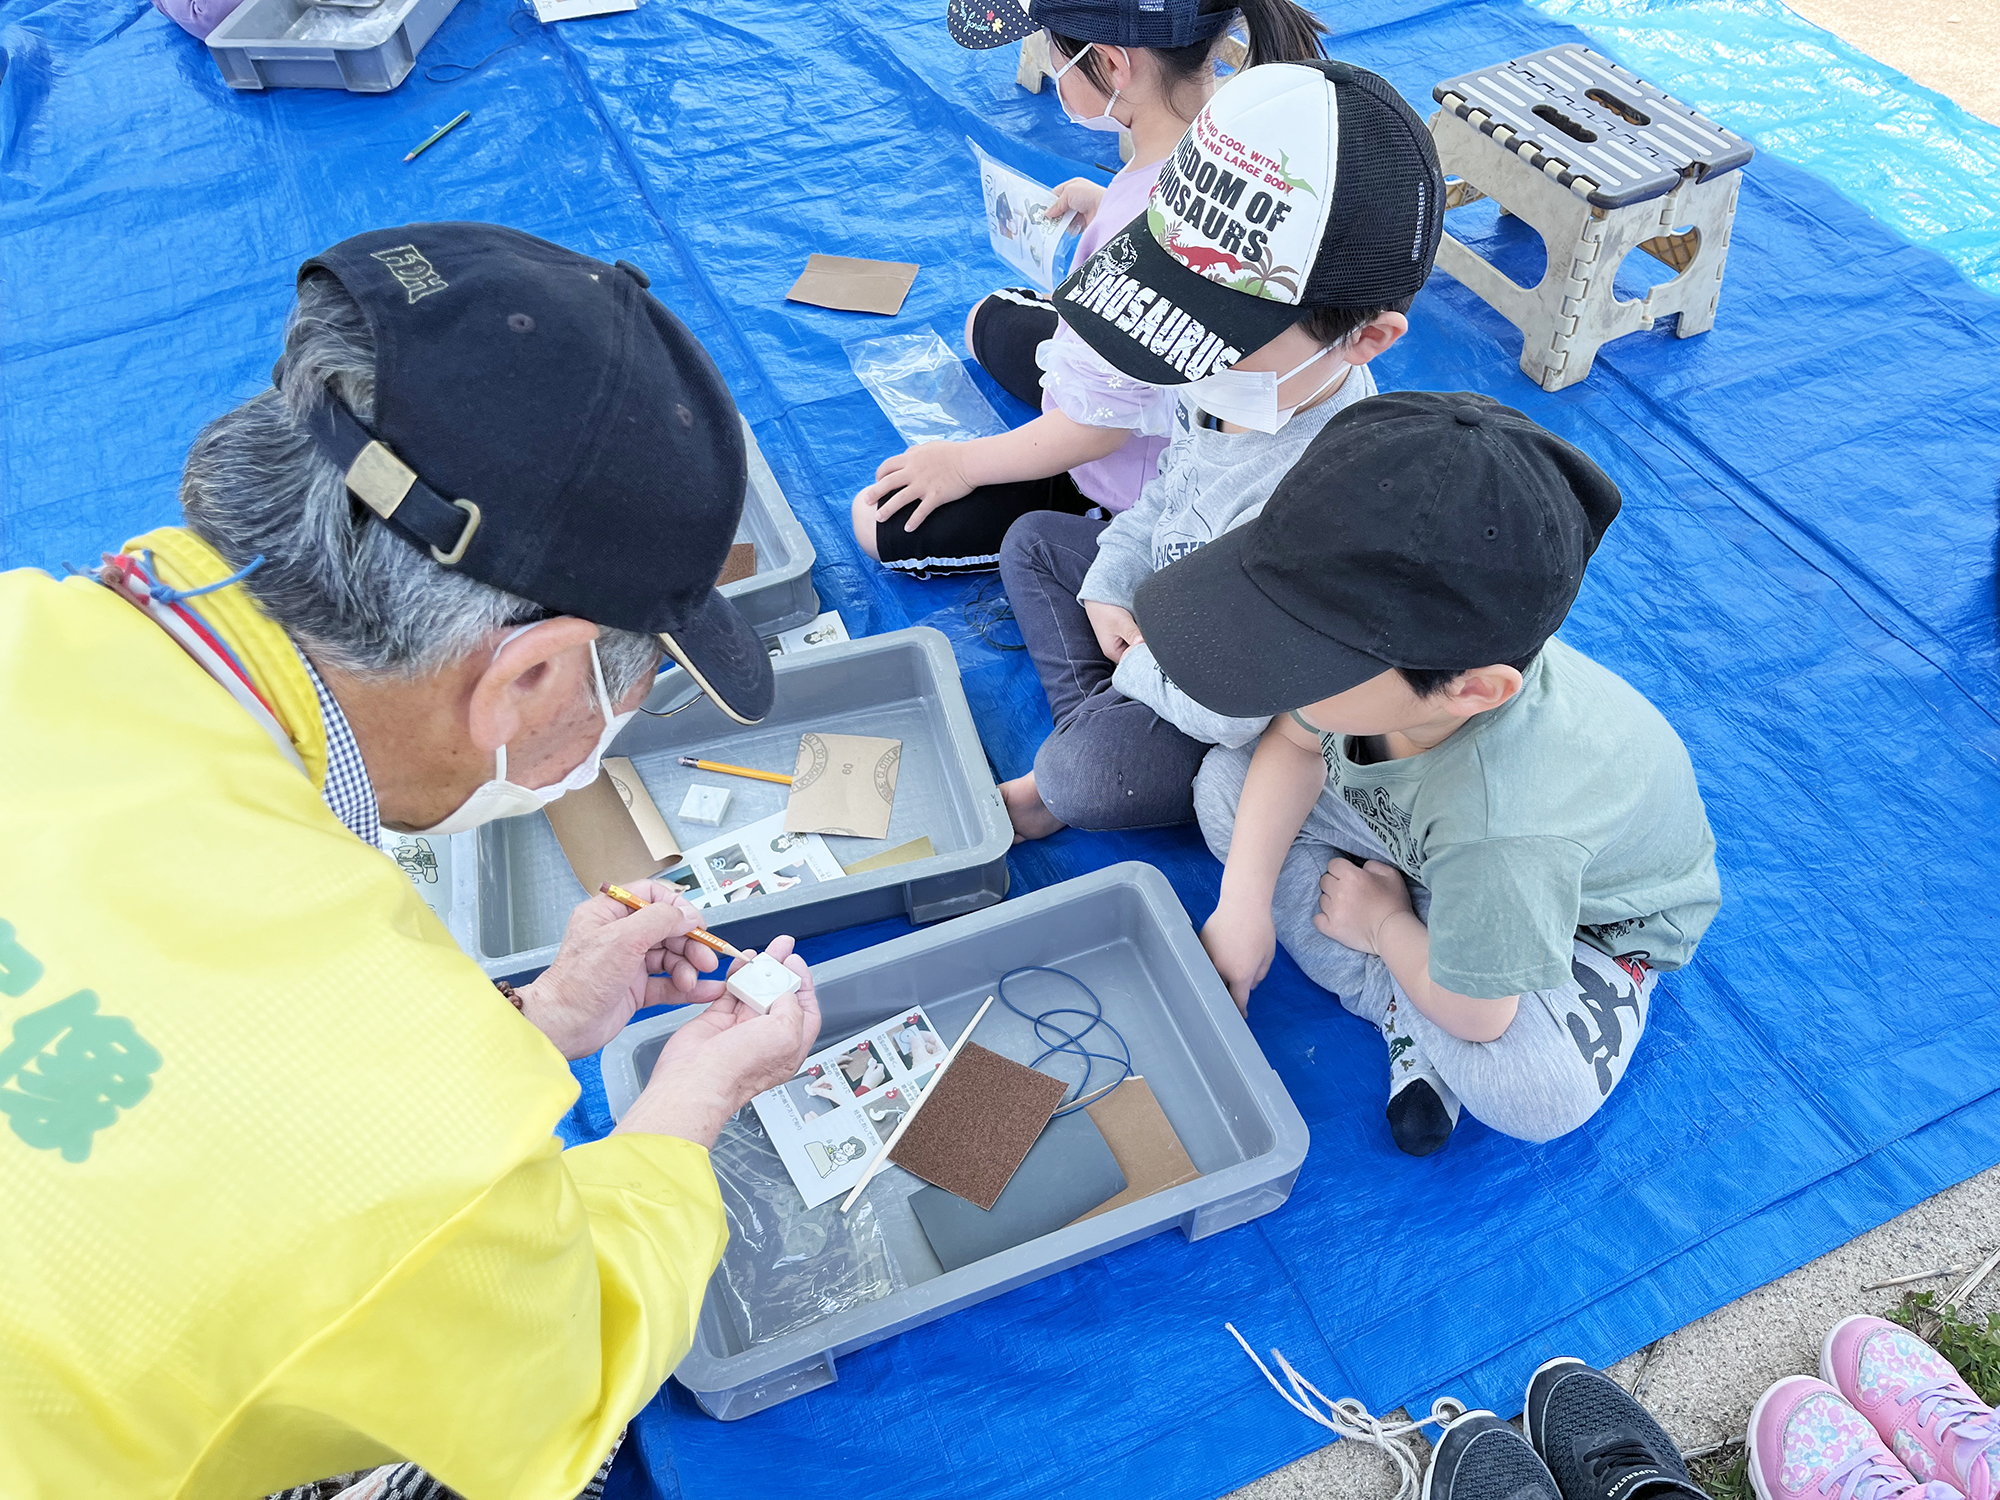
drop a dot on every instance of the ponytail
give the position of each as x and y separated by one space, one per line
1280 31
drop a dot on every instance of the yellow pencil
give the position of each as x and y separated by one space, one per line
700 935
726 769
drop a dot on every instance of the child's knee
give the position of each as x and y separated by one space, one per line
864 527
1218 787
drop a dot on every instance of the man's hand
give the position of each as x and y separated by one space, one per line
1117 632
1241 942
931 474
1080 196
603 972
1355 900
718 1061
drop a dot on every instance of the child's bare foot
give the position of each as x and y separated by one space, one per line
1026 810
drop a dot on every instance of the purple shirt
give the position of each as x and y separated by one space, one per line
1115 480
197 17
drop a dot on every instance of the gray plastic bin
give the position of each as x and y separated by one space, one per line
1123 932
779 595
271 44
512 890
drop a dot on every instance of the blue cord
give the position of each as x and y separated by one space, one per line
1070 1041
164 595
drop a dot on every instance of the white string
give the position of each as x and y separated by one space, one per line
1348 1418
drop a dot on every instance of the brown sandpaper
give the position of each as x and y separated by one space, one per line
977 1124
1142 1142
740 564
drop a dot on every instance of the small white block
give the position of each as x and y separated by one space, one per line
704 804
762 983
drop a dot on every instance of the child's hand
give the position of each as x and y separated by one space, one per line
1355 900
1117 632
1241 943
930 474
1080 196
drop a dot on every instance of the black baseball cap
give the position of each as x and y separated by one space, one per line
1440 531
981 24
1298 186
544 425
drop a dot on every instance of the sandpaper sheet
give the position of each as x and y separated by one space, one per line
740 564
845 784
1070 1171
611 830
978 1123
1143 1143
851 284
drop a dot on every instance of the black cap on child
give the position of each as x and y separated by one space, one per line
544 425
1420 529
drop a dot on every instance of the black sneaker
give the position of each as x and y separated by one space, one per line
1480 1457
1598 1442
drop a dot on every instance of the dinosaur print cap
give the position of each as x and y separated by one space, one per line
1298 186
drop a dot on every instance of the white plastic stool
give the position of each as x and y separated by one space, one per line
1600 163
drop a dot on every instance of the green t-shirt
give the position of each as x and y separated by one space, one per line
1569 812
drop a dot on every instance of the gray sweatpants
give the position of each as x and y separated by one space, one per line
1543 1077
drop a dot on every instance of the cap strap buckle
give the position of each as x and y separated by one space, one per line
393 491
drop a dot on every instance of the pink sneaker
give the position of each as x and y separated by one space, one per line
1929 1417
1807 1443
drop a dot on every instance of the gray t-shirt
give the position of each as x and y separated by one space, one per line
1569 812
1209 482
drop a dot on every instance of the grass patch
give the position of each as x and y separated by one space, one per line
1725 1473
1973 1348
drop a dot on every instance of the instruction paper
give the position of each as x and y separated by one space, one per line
822 630
758 860
828 1122
1019 222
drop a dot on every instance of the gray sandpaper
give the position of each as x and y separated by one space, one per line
977 1123
1068 1173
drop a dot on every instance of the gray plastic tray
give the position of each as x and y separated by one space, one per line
779 595
512 890
1124 933
270 44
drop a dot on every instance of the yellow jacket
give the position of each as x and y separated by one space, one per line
279 1188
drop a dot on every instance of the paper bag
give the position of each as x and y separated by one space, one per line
849 284
843 783
611 832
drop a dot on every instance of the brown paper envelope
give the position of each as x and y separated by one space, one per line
844 783
852 285
601 837
902 854
740 564
1142 1142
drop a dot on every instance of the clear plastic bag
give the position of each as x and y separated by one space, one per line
786 1265
922 388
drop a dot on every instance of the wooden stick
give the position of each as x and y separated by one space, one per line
904 1123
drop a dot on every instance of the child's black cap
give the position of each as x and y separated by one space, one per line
984 24
544 425
1421 529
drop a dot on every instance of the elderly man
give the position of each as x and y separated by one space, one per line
282 1198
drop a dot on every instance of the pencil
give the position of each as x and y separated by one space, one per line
726 769
700 935
904 1123
439 134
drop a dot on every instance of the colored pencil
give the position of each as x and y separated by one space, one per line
439 134
700 935
726 769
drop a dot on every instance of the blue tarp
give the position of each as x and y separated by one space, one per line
1802 579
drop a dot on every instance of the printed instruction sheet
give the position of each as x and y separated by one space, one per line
760 859
829 1121
1019 223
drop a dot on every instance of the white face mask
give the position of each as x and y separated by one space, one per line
1249 398
501 798
1100 122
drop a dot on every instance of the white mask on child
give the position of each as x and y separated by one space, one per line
1249 398
1101 122
501 798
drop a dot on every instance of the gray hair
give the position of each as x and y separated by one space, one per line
359 596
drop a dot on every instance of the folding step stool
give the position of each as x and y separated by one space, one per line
1600 163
